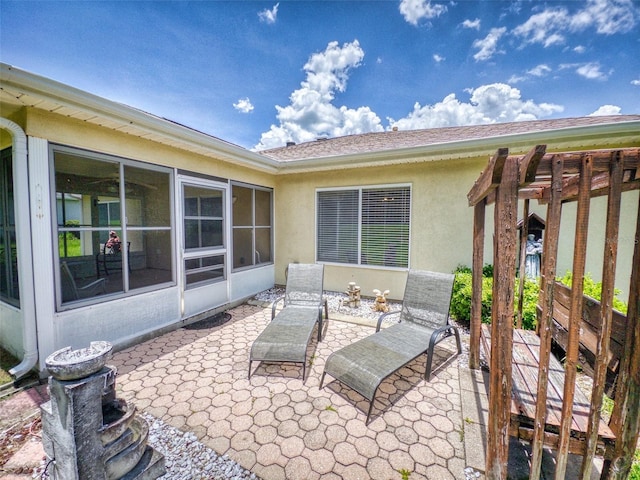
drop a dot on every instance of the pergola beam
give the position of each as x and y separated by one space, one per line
490 178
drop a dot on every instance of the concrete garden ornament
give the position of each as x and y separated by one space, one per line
380 304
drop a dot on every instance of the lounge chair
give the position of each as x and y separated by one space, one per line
286 337
71 291
424 322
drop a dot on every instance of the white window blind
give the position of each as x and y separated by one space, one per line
337 228
365 226
385 227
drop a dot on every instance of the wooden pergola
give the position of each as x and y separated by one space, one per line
530 395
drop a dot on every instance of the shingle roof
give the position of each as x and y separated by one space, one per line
391 140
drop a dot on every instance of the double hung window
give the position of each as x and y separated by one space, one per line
364 226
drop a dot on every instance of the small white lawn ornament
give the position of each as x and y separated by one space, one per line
380 304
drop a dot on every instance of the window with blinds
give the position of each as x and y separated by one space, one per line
364 226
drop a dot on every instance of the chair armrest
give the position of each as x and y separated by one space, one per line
274 305
443 332
93 288
383 316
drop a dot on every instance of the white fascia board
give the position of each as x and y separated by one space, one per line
579 137
93 105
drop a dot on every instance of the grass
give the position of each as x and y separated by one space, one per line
7 361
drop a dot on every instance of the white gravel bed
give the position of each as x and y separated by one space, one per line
188 459
335 303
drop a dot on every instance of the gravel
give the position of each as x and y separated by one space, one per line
335 303
186 458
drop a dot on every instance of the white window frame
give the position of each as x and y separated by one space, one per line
359 189
253 227
203 252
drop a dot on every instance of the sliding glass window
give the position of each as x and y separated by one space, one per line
252 226
9 291
113 225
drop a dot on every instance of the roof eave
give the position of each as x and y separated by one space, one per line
70 97
579 137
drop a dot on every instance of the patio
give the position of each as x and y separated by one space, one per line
276 426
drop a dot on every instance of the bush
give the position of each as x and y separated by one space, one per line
461 296
593 289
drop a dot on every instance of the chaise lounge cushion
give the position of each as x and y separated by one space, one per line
286 338
364 363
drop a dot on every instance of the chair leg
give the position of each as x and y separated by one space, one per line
322 380
366 422
249 377
427 372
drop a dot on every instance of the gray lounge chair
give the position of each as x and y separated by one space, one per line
424 322
71 291
287 336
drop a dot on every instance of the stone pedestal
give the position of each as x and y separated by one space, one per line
89 433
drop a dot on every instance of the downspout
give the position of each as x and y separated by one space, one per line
23 246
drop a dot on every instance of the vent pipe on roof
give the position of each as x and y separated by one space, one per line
290 144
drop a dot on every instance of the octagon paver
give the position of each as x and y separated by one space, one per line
285 429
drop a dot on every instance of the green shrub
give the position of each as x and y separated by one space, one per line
461 296
593 289
529 303
462 291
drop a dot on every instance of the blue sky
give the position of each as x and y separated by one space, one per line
259 74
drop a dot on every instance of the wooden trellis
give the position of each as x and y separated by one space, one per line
525 379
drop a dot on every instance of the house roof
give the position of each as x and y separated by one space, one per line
395 140
19 89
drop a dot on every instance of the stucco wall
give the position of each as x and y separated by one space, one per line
441 224
441 220
59 129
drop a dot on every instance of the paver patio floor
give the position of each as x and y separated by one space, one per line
281 428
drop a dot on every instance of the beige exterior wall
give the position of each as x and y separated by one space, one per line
74 133
441 224
441 220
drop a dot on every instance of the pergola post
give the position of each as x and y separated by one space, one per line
504 260
575 314
476 282
545 300
625 419
610 256
524 232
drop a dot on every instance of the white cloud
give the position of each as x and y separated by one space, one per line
311 113
415 10
635 82
494 103
438 58
243 105
488 46
517 78
606 16
591 71
269 16
473 24
539 70
606 110
580 49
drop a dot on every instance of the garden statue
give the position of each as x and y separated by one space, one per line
380 304
533 253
